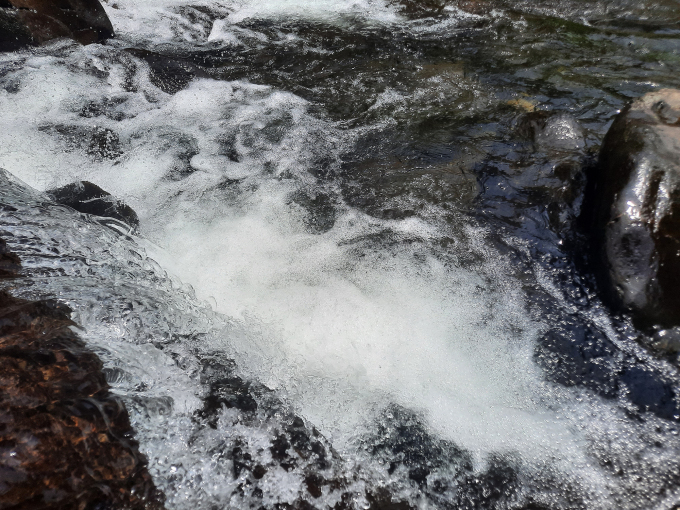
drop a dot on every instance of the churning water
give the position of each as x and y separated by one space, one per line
336 211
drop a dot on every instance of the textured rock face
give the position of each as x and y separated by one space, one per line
637 216
24 22
65 441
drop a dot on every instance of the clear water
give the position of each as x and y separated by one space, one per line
342 203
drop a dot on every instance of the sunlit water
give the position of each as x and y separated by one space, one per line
307 187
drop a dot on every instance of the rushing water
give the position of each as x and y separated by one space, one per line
368 236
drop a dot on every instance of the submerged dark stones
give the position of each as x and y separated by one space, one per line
170 74
26 22
636 216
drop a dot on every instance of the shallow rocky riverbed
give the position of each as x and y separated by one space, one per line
356 254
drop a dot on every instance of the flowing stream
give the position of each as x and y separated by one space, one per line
341 208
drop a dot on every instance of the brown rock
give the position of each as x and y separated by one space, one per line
25 22
65 440
636 191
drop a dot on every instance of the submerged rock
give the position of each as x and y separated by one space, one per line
88 198
635 192
170 74
98 142
65 440
394 188
26 22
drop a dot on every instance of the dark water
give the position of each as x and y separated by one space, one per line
384 207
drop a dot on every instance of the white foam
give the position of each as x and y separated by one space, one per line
420 333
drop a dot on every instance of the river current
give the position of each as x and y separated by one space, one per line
339 203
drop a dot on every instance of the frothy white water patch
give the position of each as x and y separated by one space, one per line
198 22
343 322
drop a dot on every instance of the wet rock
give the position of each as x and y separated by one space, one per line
404 442
394 188
65 441
286 444
574 354
426 8
542 166
421 8
9 262
553 131
26 22
170 74
490 489
635 211
99 142
667 340
650 393
320 208
88 198
14 34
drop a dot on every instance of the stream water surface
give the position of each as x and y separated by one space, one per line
366 215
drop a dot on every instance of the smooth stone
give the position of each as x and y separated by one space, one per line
635 196
88 198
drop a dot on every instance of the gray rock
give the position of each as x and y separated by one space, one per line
636 217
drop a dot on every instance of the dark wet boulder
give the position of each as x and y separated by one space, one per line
548 165
427 8
65 440
29 22
9 262
170 74
634 215
14 34
552 131
88 198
